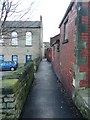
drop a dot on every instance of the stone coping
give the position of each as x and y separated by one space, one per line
9 86
85 94
81 99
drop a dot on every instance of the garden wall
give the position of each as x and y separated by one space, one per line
15 91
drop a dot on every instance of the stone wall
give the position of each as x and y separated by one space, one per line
21 50
81 100
14 93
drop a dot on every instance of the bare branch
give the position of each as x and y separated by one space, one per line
2 10
9 10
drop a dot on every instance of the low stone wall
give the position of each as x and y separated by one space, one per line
14 93
81 100
36 63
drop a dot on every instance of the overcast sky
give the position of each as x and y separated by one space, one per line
52 12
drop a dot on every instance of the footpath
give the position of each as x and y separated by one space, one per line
48 98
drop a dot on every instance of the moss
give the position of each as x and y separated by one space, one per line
81 103
9 85
9 81
16 74
20 87
83 91
37 62
81 106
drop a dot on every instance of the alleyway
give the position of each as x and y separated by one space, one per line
48 98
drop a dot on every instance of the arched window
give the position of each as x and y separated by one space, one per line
2 40
28 38
14 38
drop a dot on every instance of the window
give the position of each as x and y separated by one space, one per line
14 38
28 38
15 58
1 58
58 45
65 32
28 58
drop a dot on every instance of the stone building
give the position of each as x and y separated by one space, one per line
21 41
46 45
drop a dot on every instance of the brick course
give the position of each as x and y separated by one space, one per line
67 57
72 63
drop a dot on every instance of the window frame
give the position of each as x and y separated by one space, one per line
58 45
27 60
13 59
14 38
28 39
65 32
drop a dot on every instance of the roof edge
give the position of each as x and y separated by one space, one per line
67 11
55 36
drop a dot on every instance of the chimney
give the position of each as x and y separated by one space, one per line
40 18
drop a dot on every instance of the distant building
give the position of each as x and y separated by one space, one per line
46 45
54 53
21 41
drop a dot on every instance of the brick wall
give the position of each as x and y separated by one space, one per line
67 51
82 45
55 43
49 54
56 61
89 44
72 62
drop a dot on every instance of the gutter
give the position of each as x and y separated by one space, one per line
68 9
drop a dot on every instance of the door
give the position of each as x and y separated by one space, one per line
1 58
28 58
15 58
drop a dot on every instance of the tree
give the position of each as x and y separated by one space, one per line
10 9
5 9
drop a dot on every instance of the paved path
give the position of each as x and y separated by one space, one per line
48 98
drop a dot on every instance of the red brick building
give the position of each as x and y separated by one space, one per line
71 48
55 45
49 54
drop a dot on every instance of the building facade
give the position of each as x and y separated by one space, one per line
71 54
55 44
46 45
21 41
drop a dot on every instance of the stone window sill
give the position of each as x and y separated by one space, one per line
65 41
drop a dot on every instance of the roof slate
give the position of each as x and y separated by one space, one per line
54 39
23 24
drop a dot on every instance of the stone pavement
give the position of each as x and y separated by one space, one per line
48 98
